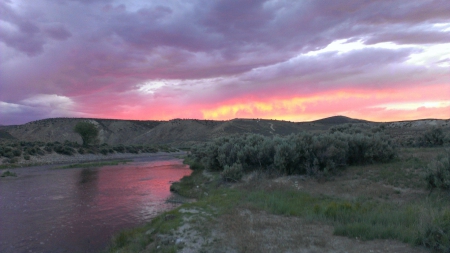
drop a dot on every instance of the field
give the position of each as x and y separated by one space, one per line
384 207
332 185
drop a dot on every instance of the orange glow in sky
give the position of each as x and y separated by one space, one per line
430 102
287 60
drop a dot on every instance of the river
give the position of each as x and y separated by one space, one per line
78 210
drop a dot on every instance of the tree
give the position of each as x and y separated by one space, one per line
87 131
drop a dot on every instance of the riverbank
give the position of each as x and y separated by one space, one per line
370 208
60 159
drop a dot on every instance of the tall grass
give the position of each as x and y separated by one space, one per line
426 223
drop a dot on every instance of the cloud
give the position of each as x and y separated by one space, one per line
132 57
37 107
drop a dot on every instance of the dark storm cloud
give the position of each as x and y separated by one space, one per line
25 34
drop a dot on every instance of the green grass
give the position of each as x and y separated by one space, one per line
93 164
362 218
191 186
9 166
365 219
423 222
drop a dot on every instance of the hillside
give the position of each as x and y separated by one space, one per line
184 132
339 120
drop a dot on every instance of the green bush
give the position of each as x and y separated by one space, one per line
437 234
438 173
48 149
8 154
194 165
72 144
17 152
305 153
104 151
132 149
81 151
11 160
232 173
433 137
8 174
120 149
150 150
64 150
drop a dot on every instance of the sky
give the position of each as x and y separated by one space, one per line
379 60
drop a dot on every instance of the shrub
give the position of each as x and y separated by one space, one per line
364 149
8 154
104 151
303 153
39 151
437 234
433 137
81 151
29 151
26 157
193 164
232 173
17 152
11 160
150 150
132 149
438 173
8 174
120 148
48 148
72 144
64 150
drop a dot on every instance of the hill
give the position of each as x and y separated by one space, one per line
184 132
339 120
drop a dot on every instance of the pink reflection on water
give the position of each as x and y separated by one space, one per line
78 210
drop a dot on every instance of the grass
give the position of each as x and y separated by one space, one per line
93 164
9 166
407 171
363 218
421 221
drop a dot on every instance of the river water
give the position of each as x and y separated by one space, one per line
78 210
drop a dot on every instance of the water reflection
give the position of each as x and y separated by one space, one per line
87 185
77 210
88 175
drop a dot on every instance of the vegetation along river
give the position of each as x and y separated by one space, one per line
46 209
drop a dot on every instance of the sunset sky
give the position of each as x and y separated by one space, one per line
379 60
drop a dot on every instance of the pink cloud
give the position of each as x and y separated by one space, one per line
228 58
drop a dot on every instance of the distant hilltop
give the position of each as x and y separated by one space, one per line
187 131
340 120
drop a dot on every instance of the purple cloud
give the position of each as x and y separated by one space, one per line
80 49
